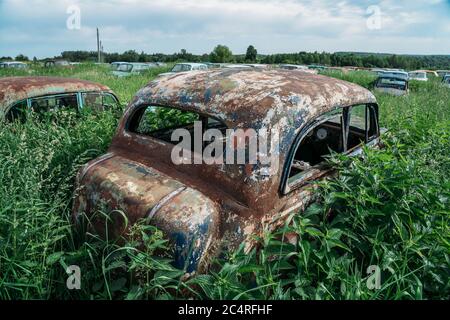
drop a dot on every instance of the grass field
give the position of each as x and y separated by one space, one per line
391 208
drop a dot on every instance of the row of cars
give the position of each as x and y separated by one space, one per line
129 68
43 94
76 94
47 64
391 81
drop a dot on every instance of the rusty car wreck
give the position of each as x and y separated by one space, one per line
204 208
42 94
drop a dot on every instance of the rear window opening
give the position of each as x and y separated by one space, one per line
340 131
160 122
54 103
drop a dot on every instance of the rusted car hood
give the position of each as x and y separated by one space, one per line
116 183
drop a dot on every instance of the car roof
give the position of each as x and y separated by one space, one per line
394 72
121 62
253 98
13 89
132 63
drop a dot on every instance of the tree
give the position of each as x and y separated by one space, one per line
251 54
130 56
142 57
221 54
21 57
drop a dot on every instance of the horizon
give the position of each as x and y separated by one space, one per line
234 53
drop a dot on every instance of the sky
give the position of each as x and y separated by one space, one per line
45 28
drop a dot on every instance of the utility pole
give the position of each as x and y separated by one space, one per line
101 52
98 46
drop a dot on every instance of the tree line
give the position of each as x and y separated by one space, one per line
222 54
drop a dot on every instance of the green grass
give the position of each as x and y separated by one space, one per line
389 208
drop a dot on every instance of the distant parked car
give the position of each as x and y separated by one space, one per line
124 69
183 67
418 76
393 84
430 73
45 94
13 65
56 63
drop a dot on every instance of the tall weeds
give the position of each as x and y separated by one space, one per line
389 208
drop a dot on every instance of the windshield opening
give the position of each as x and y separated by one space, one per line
124 67
391 83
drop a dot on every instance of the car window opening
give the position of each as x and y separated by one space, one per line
160 122
99 101
54 103
393 83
